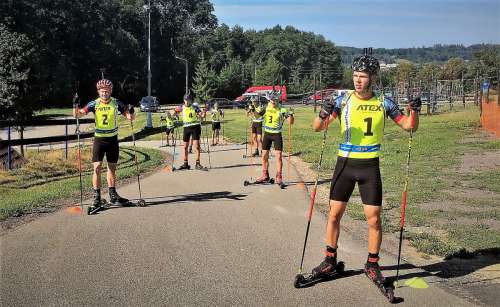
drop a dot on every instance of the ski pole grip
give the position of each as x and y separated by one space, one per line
131 109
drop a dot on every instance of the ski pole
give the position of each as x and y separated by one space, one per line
208 146
174 135
403 201
131 111
163 130
246 142
313 195
289 150
75 106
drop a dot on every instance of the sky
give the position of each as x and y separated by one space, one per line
373 23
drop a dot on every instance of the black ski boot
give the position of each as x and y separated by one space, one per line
97 204
198 166
256 153
264 178
372 271
326 270
114 198
184 166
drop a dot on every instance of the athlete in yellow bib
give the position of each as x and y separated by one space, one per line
216 114
191 121
253 111
106 110
362 116
274 115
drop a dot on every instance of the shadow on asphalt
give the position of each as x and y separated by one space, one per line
460 264
198 197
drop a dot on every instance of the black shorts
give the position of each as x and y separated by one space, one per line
105 146
270 138
257 128
366 172
169 130
216 126
194 131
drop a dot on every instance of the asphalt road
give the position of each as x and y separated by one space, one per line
204 240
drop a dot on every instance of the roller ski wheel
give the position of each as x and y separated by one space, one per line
93 209
308 280
183 167
247 183
141 203
385 286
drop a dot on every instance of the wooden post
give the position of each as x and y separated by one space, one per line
450 96
463 89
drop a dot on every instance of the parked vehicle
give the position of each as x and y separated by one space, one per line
263 91
149 104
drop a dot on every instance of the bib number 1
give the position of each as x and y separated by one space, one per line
369 131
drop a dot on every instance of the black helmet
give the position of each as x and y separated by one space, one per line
366 63
188 97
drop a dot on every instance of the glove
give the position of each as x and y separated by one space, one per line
131 109
415 104
326 109
291 112
162 118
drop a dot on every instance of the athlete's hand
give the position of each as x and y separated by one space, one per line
326 109
415 104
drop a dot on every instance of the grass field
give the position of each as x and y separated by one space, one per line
49 177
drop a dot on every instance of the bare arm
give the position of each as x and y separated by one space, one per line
406 122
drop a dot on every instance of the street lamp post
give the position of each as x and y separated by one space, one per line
149 120
187 71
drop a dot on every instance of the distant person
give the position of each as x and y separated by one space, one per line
274 115
106 110
253 110
362 115
191 121
216 114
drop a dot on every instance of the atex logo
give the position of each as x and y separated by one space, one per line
369 107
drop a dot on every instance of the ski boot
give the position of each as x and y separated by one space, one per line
184 166
200 167
97 204
372 271
114 198
256 153
264 178
326 270
279 180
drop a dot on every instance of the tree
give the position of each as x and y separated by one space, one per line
16 56
453 69
406 71
269 73
205 81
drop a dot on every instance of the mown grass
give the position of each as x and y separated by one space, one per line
438 148
48 177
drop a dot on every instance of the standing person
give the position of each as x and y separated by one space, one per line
216 115
105 109
191 116
170 126
274 116
362 116
253 110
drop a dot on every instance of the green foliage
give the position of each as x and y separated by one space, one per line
205 81
16 52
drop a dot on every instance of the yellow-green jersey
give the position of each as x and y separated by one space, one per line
273 118
106 116
216 115
362 123
169 122
190 116
255 111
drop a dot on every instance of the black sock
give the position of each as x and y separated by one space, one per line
372 258
331 254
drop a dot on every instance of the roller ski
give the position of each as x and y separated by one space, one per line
200 167
264 179
326 271
97 205
183 167
372 271
279 180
